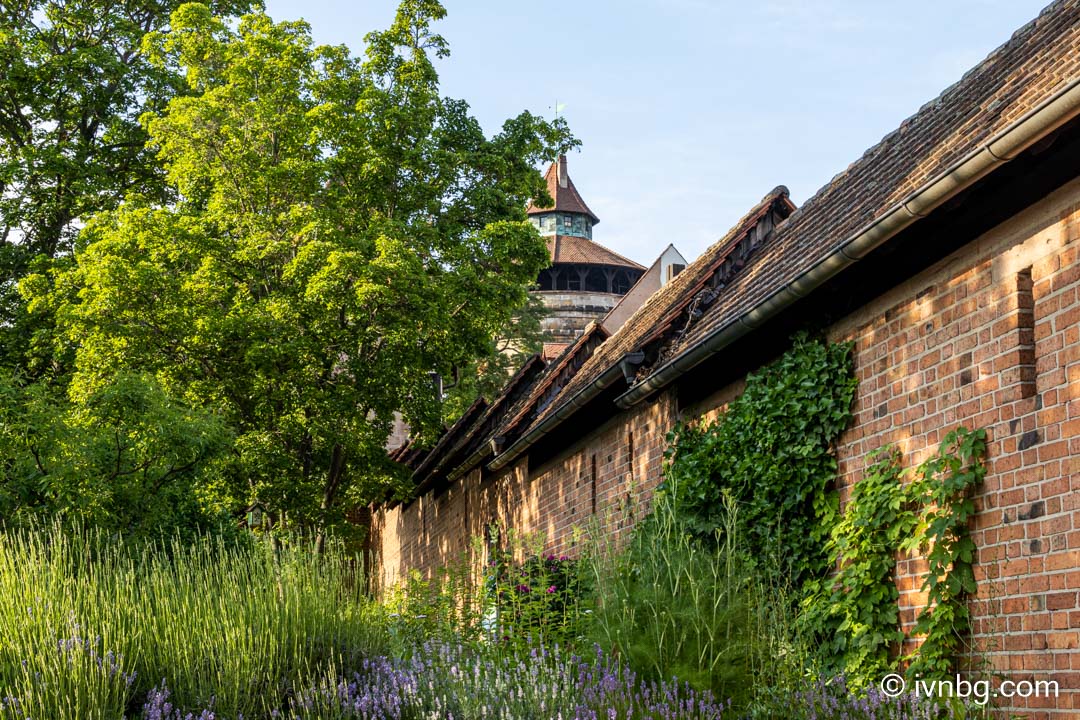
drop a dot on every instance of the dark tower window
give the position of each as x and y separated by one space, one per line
573 280
621 283
596 281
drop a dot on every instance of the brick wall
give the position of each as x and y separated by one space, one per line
608 476
989 337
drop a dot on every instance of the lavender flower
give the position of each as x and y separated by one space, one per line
158 707
439 680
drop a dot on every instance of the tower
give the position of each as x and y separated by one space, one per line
585 279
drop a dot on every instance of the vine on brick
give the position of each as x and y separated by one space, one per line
861 615
942 487
930 515
771 451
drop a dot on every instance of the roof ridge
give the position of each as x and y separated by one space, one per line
551 372
1018 37
676 292
685 278
1034 63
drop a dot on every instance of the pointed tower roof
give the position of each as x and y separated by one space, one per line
561 189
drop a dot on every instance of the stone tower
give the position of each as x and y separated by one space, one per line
585 279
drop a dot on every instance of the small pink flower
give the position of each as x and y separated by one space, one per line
551 589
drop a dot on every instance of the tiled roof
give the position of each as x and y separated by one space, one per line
561 189
439 451
552 350
408 454
1039 59
488 424
572 249
574 357
666 305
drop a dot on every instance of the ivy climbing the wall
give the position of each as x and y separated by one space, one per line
771 451
856 612
941 489
857 615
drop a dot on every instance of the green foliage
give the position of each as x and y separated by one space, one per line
942 486
771 451
859 616
74 84
340 231
506 602
447 608
487 375
929 514
238 623
536 601
672 604
129 458
74 677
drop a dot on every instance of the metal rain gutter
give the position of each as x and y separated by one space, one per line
1048 116
568 408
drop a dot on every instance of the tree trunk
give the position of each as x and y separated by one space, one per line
333 482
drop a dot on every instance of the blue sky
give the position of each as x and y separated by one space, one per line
689 111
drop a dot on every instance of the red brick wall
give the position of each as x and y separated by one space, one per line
555 502
989 337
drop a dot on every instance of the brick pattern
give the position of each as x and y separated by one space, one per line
955 346
989 337
607 481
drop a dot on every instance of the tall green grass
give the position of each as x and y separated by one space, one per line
669 604
239 626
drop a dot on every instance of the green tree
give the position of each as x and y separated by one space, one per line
72 86
130 458
486 375
340 231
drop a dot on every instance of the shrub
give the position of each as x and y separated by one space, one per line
771 451
536 599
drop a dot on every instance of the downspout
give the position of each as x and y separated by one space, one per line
1006 145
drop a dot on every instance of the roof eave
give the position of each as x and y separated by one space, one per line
1042 120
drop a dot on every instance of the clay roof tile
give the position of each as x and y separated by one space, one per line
561 189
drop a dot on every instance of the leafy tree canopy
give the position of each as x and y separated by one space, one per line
486 376
339 232
72 86
130 458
